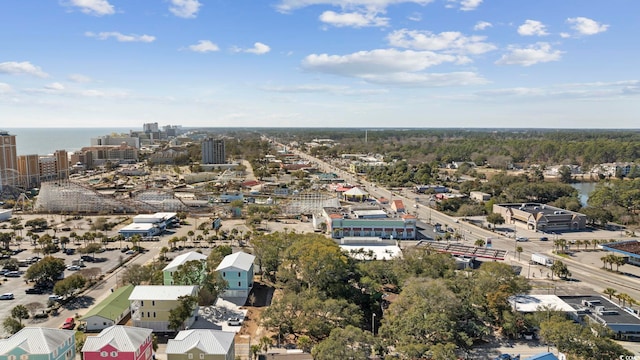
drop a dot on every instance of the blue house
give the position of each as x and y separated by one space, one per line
237 270
39 344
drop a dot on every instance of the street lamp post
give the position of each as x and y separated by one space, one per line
373 324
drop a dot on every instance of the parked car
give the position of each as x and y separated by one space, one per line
73 267
522 239
87 258
55 297
70 251
7 296
234 321
13 274
34 290
544 238
69 324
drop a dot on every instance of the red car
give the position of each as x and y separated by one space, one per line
69 324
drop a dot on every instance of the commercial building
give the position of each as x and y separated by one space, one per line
541 217
8 160
147 225
213 151
399 228
630 249
116 141
100 155
585 309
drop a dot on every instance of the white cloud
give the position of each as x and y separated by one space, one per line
586 26
25 67
597 90
54 86
323 88
353 19
416 16
79 78
392 67
121 37
185 8
450 41
565 35
375 61
5 88
532 27
468 5
481 25
204 46
372 5
427 79
533 54
465 5
259 49
93 7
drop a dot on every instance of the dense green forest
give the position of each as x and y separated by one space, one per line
494 147
327 298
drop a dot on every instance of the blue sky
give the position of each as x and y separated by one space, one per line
320 63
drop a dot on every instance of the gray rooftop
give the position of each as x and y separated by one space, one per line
214 342
183 258
36 340
239 260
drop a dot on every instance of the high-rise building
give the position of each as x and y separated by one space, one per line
8 160
62 163
213 151
150 127
29 171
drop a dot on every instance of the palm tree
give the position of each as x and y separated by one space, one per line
578 244
619 260
480 243
595 243
610 292
519 251
605 260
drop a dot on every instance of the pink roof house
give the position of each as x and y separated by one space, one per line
119 343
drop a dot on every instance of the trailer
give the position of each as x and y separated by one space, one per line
541 259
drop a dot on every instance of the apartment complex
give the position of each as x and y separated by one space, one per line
34 169
8 160
213 151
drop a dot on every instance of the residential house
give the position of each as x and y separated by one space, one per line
39 343
109 311
201 344
237 270
119 342
179 260
397 206
150 305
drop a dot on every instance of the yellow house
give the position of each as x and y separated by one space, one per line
150 305
201 344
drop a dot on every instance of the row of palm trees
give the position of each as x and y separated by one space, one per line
622 297
562 244
612 259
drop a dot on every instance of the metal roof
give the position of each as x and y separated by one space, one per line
465 250
161 292
183 258
122 338
35 340
113 306
239 260
213 342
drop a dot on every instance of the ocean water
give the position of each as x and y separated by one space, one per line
43 141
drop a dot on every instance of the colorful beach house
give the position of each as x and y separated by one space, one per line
119 343
205 344
39 344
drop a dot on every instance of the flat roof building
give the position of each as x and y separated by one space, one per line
541 217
